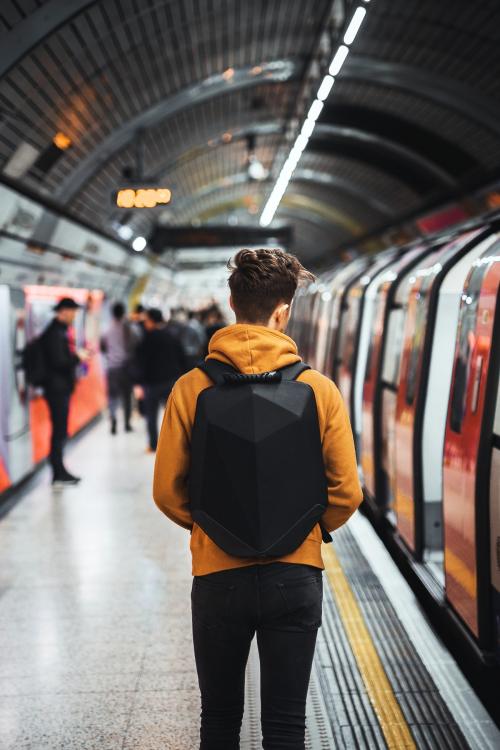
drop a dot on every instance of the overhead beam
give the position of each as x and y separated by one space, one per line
445 91
388 156
38 25
322 179
238 134
277 71
356 192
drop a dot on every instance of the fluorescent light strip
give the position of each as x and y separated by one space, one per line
315 110
309 123
308 127
338 60
325 88
354 26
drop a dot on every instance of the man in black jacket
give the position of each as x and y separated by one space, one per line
60 366
160 360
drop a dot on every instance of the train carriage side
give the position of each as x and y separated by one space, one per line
377 373
322 299
471 460
357 308
331 311
422 394
16 460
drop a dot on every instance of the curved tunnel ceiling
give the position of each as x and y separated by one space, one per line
415 111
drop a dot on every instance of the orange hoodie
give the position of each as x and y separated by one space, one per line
253 349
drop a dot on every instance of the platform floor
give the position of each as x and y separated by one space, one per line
95 641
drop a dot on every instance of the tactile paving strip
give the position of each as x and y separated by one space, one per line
425 711
339 713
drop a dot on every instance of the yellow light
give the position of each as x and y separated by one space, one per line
62 141
139 198
125 198
150 199
142 197
163 195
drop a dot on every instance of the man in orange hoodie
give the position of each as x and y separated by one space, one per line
277 598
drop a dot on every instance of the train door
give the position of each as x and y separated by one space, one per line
377 376
311 343
422 394
368 466
89 395
357 311
337 291
15 441
471 463
495 522
320 341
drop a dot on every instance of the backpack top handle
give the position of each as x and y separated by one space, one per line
223 374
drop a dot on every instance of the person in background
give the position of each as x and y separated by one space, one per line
213 321
159 361
117 345
177 323
195 339
60 365
137 319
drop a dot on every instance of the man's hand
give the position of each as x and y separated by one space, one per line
83 354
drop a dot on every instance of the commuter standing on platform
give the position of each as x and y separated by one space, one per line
159 361
213 321
60 364
117 345
195 339
256 459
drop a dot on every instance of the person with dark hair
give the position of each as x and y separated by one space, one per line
60 363
159 361
195 339
256 459
117 345
137 319
213 321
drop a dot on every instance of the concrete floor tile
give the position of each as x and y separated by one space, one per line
65 722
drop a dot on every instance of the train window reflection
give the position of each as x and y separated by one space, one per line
418 337
465 346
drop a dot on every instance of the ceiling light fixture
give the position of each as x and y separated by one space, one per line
355 25
338 60
309 123
125 231
325 88
139 244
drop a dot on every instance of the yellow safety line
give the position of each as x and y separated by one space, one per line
392 722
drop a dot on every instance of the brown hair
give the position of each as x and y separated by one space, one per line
262 279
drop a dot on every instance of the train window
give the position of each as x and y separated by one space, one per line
465 345
417 342
348 335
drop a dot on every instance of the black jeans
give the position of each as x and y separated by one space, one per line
119 389
58 403
282 604
155 394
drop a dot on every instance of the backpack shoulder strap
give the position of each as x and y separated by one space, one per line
216 370
292 372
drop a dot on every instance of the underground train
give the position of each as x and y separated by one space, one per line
411 337
45 256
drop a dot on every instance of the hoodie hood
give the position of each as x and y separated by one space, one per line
252 348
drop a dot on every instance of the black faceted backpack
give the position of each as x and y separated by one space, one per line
257 483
